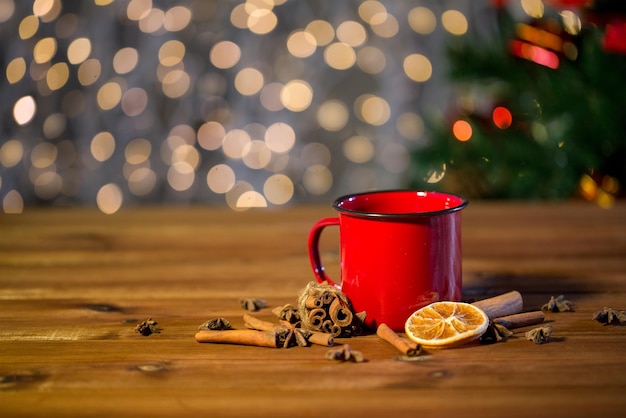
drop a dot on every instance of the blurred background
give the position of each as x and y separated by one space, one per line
268 103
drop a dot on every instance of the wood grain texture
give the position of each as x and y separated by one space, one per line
74 283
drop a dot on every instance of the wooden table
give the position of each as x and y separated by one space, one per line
74 283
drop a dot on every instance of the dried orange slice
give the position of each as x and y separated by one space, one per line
446 324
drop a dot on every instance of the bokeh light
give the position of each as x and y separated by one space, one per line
225 54
533 8
249 81
57 76
385 25
422 20
418 67
371 10
11 153
358 149
262 21
278 189
322 31
171 53
301 44
502 117
102 146
177 18
109 198
44 50
371 60
54 125
142 181
351 33
13 202
372 109
454 22
296 95
317 179
28 27
462 130
333 115
43 155
89 72
221 178
125 60
16 70
109 95
339 56
78 50
410 125
211 135
24 110
7 8
280 137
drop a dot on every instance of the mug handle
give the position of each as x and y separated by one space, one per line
314 249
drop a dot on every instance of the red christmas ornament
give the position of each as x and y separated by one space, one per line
614 40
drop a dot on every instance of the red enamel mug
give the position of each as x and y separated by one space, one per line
399 251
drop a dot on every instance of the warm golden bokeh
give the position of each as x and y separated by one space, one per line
260 102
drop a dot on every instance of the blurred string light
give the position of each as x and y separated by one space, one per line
255 103
599 190
546 44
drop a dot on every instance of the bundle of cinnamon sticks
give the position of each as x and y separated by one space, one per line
326 309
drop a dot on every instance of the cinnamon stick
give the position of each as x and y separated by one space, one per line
316 317
521 319
253 322
239 336
330 327
340 314
406 346
327 297
498 306
321 338
286 324
313 302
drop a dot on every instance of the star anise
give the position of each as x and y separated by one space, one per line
610 316
291 337
539 335
345 353
252 304
288 313
215 324
495 333
558 304
147 327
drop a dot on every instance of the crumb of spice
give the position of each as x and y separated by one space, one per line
345 353
558 304
539 335
215 324
147 327
252 304
610 316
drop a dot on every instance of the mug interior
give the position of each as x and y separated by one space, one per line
400 203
